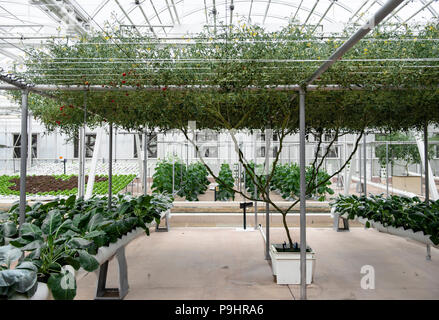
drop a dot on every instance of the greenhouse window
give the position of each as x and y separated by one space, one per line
90 140
152 146
17 145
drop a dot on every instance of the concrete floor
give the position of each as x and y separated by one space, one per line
225 263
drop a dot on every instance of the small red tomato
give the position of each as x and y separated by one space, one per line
138 84
124 74
164 88
112 100
60 108
123 81
58 122
127 94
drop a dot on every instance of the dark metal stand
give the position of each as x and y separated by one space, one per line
244 205
103 293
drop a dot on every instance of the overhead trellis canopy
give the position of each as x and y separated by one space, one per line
242 74
232 71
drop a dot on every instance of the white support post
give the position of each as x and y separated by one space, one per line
94 161
29 139
139 158
81 156
431 182
352 168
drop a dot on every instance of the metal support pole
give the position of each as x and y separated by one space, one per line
365 165
387 169
29 139
254 185
267 190
173 175
302 197
110 166
81 178
23 156
145 163
427 187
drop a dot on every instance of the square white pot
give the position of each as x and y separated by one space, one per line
286 266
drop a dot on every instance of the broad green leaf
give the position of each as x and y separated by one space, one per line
62 286
31 230
9 229
9 254
51 222
87 261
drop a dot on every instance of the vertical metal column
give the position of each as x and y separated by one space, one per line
110 165
23 156
267 190
387 169
145 162
255 187
302 197
365 165
29 139
427 187
81 178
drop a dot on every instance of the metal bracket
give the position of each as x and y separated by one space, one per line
103 293
166 228
337 224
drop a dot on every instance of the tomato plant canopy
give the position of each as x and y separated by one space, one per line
240 75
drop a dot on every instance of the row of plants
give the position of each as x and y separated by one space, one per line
395 211
286 180
62 185
67 232
226 182
189 181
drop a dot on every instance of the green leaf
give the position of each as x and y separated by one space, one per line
9 254
9 229
87 261
62 285
31 230
51 222
79 243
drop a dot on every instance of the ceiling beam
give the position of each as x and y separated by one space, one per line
356 37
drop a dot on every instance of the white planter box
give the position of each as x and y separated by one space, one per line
286 266
42 293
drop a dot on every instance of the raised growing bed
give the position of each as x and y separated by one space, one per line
60 185
82 234
400 216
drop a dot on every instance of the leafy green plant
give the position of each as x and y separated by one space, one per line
226 183
20 280
395 211
189 181
53 246
162 177
68 232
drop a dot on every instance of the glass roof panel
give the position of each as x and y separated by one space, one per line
27 23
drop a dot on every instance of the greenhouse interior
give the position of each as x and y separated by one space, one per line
219 150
